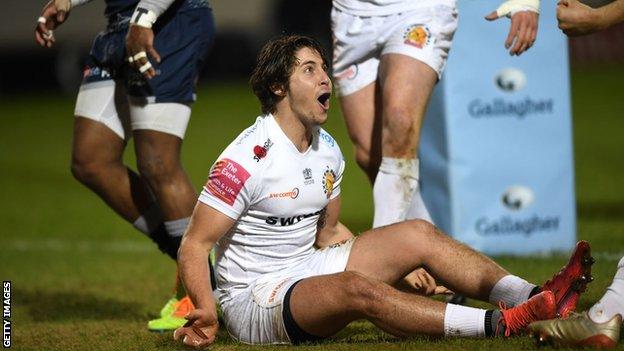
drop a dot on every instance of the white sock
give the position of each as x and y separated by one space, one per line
612 302
511 290
417 208
149 220
393 190
464 321
177 227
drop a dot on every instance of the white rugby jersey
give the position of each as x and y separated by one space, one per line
276 195
366 8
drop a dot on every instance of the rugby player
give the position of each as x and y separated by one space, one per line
139 80
388 56
288 271
600 325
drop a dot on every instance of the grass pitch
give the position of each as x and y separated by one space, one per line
82 278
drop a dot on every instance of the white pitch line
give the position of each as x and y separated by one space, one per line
64 245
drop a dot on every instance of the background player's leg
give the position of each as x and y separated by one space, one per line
363 119
97 163
158 161
403 110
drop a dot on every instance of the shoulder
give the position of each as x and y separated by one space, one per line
248 148
328 142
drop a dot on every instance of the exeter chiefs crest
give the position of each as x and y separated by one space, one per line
329 177
417 35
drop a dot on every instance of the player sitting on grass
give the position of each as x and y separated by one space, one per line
288 271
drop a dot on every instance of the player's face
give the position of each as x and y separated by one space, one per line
309 88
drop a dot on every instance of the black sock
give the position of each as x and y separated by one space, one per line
536 290
166 244
492 318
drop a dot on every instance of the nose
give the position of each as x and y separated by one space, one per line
325 79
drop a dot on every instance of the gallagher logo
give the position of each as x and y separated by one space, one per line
261 151
510 80
517 197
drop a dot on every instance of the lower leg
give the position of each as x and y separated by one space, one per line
612 302
402 113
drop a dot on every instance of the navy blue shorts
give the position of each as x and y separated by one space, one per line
182 39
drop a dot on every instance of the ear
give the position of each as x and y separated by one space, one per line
278 90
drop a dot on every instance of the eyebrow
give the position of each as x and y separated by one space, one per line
308 62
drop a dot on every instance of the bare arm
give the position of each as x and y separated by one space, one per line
207 225
576 18
329 230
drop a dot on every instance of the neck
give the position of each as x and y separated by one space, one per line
299 133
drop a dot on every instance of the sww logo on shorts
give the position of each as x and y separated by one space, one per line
226 180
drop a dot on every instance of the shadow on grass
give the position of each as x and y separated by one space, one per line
68 305
600 210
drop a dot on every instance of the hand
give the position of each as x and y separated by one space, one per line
200 330
52 16
522 32
424 284
140 46
576 18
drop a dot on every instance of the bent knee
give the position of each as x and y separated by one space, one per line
86 172
363 293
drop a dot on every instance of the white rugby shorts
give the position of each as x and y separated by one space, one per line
255 316
107 102
424 34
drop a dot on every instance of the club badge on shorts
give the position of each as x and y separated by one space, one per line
417 35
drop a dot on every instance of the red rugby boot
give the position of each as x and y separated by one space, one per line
572 279
540 307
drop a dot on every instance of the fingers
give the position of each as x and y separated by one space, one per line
190 337
442 290
153 53
520 41
492 16
513 32
522 33
139 41
43 35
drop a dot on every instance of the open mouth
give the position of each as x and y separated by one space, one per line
323 99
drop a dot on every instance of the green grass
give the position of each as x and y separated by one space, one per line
84 279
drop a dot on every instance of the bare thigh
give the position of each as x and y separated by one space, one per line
406 87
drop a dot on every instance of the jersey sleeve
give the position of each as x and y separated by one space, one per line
229 187
336 185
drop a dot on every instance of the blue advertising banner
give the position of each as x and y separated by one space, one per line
496 148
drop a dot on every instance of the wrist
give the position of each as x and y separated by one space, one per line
143 17
601 17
